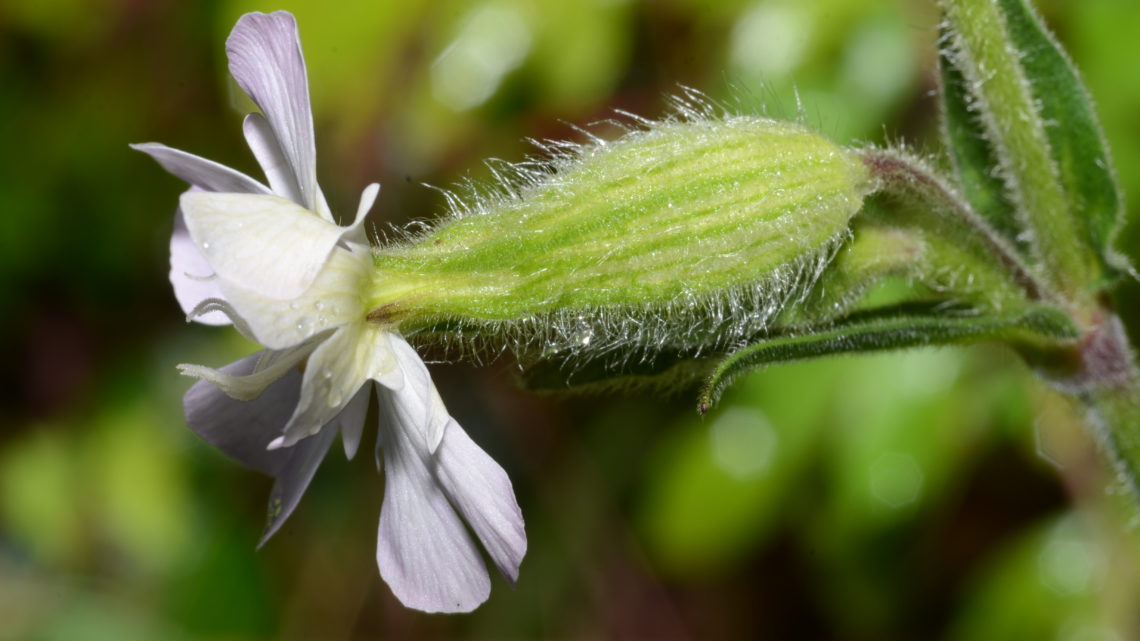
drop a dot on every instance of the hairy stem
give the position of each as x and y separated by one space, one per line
1108 383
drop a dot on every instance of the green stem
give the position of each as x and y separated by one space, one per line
1115 415
1106 379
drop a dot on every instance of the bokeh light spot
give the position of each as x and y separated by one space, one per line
769 40
896 479
743 442
493 41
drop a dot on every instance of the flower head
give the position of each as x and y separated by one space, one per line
271 259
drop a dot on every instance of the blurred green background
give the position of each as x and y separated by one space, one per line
927 495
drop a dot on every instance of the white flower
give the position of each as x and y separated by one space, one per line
272 260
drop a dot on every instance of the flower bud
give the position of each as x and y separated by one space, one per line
669 222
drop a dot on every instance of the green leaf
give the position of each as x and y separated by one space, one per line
875 254
971 152
1050 151
1076 140
891 329
964 257
664 370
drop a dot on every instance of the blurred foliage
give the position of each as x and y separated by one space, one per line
927 495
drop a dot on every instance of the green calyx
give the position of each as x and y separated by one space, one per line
736 212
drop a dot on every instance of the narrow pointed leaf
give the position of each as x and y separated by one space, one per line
1039 325
1048 146
971 152
1079 148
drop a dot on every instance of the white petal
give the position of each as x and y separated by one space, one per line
335 373
191 276
355 232
266 60
415 401
243 429
423 550
351 421
266 244
331 301
294 478
199 172
263 143
481 491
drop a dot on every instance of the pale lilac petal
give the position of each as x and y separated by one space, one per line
335 373
415 400
243 429
265 58
191 276
263 143
266 244
294 477
199 172
351 421
423 550
481 491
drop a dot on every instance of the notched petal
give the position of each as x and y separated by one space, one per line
265 59
351 421
415 401
267 150
294 477
355 232
200 172
481 491
423 550
242 429
266 244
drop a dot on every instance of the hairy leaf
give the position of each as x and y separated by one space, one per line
884 331
1076 140
971 152
1043 134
